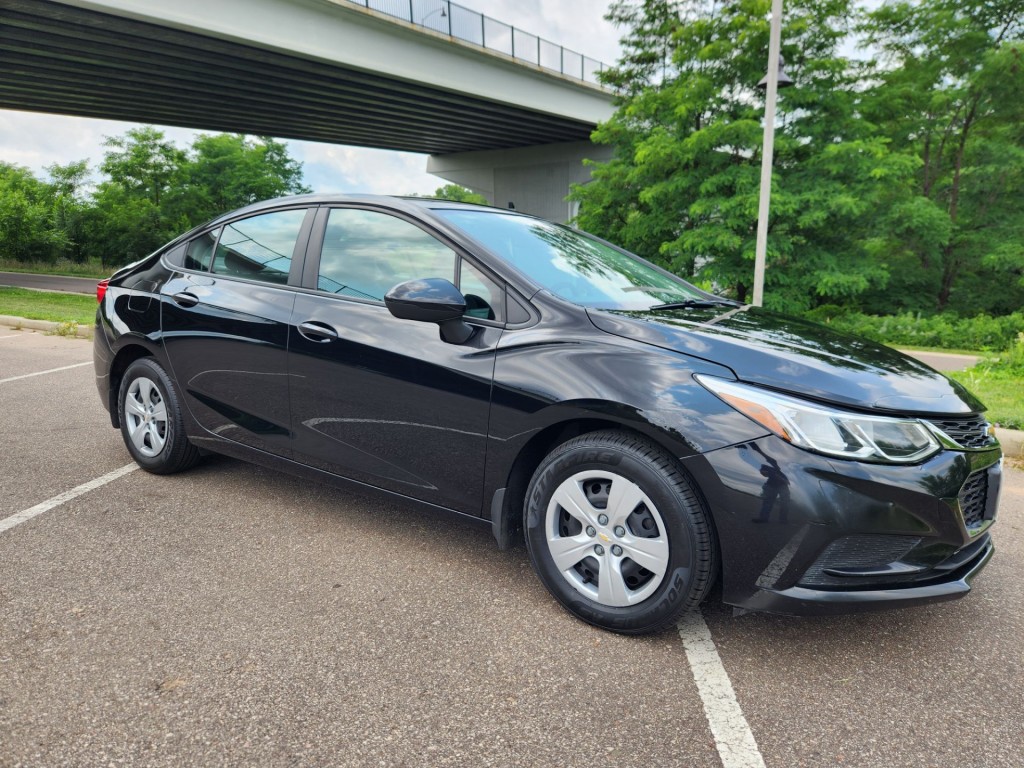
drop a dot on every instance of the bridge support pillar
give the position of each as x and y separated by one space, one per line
531 179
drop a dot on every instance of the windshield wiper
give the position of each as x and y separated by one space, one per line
655 289
695 304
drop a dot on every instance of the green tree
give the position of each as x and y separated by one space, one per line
949 93
137 207
68 186
155 190
227 171
28 231
144 164
459 194
682 188
119 227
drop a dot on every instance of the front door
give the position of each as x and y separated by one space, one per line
381 400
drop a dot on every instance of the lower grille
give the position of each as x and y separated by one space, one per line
967 432
973 499
860 551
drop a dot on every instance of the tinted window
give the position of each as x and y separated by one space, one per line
199 251
366 253
260 247
571 264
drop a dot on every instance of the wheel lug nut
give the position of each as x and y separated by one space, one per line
591 531
599 550
620 531
602 519
617 550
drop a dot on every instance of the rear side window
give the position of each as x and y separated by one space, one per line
200 250
259 247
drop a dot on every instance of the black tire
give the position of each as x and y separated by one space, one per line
654 515
158 445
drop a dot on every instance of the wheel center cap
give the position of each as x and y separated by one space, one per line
603 536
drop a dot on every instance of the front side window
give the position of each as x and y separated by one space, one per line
571 264
259 247
366 253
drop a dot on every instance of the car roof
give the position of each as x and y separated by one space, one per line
400 202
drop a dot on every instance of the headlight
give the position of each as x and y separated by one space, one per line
828 430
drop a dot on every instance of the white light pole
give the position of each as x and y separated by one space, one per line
768 149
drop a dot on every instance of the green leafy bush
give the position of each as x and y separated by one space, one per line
944 331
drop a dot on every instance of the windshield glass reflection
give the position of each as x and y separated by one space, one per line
571 264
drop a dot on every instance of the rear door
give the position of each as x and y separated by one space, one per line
225 323
381 400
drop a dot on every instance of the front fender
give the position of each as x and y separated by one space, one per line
541 382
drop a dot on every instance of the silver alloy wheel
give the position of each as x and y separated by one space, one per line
601 527
146 416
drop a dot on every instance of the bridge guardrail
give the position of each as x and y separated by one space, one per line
472 27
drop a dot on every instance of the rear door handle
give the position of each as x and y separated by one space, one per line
318 332
186 299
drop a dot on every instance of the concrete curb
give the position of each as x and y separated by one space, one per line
81 331
1012 440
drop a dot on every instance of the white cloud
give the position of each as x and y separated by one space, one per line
334 168
38 140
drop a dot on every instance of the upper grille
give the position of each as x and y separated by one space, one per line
973 497
966 431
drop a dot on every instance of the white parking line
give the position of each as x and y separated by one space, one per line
40 373
20 517
17 336
733 738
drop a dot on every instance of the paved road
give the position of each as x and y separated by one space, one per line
49 282
235 616
944 361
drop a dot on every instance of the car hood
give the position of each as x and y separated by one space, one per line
798 356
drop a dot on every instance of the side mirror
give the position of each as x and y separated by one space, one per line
431 300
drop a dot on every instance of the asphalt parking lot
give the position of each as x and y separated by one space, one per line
235 616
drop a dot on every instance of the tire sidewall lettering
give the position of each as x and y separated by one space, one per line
689 566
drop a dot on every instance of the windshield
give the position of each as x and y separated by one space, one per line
571 264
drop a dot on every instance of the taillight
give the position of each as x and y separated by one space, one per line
101 289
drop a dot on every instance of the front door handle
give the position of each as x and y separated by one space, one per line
185 299
318 332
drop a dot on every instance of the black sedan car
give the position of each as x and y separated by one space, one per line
646 438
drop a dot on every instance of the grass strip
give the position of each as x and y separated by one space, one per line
48 305
1001 391
63 267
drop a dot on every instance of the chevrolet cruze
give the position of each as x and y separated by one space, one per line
646 439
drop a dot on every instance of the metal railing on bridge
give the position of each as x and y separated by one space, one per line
461 23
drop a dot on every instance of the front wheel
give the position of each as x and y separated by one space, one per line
617 533
151 420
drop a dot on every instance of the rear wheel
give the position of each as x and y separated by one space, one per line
617 533
151 420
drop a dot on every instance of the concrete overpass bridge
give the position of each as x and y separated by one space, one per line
509 124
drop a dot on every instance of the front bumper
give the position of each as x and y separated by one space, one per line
803 534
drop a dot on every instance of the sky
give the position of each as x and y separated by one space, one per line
37 140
